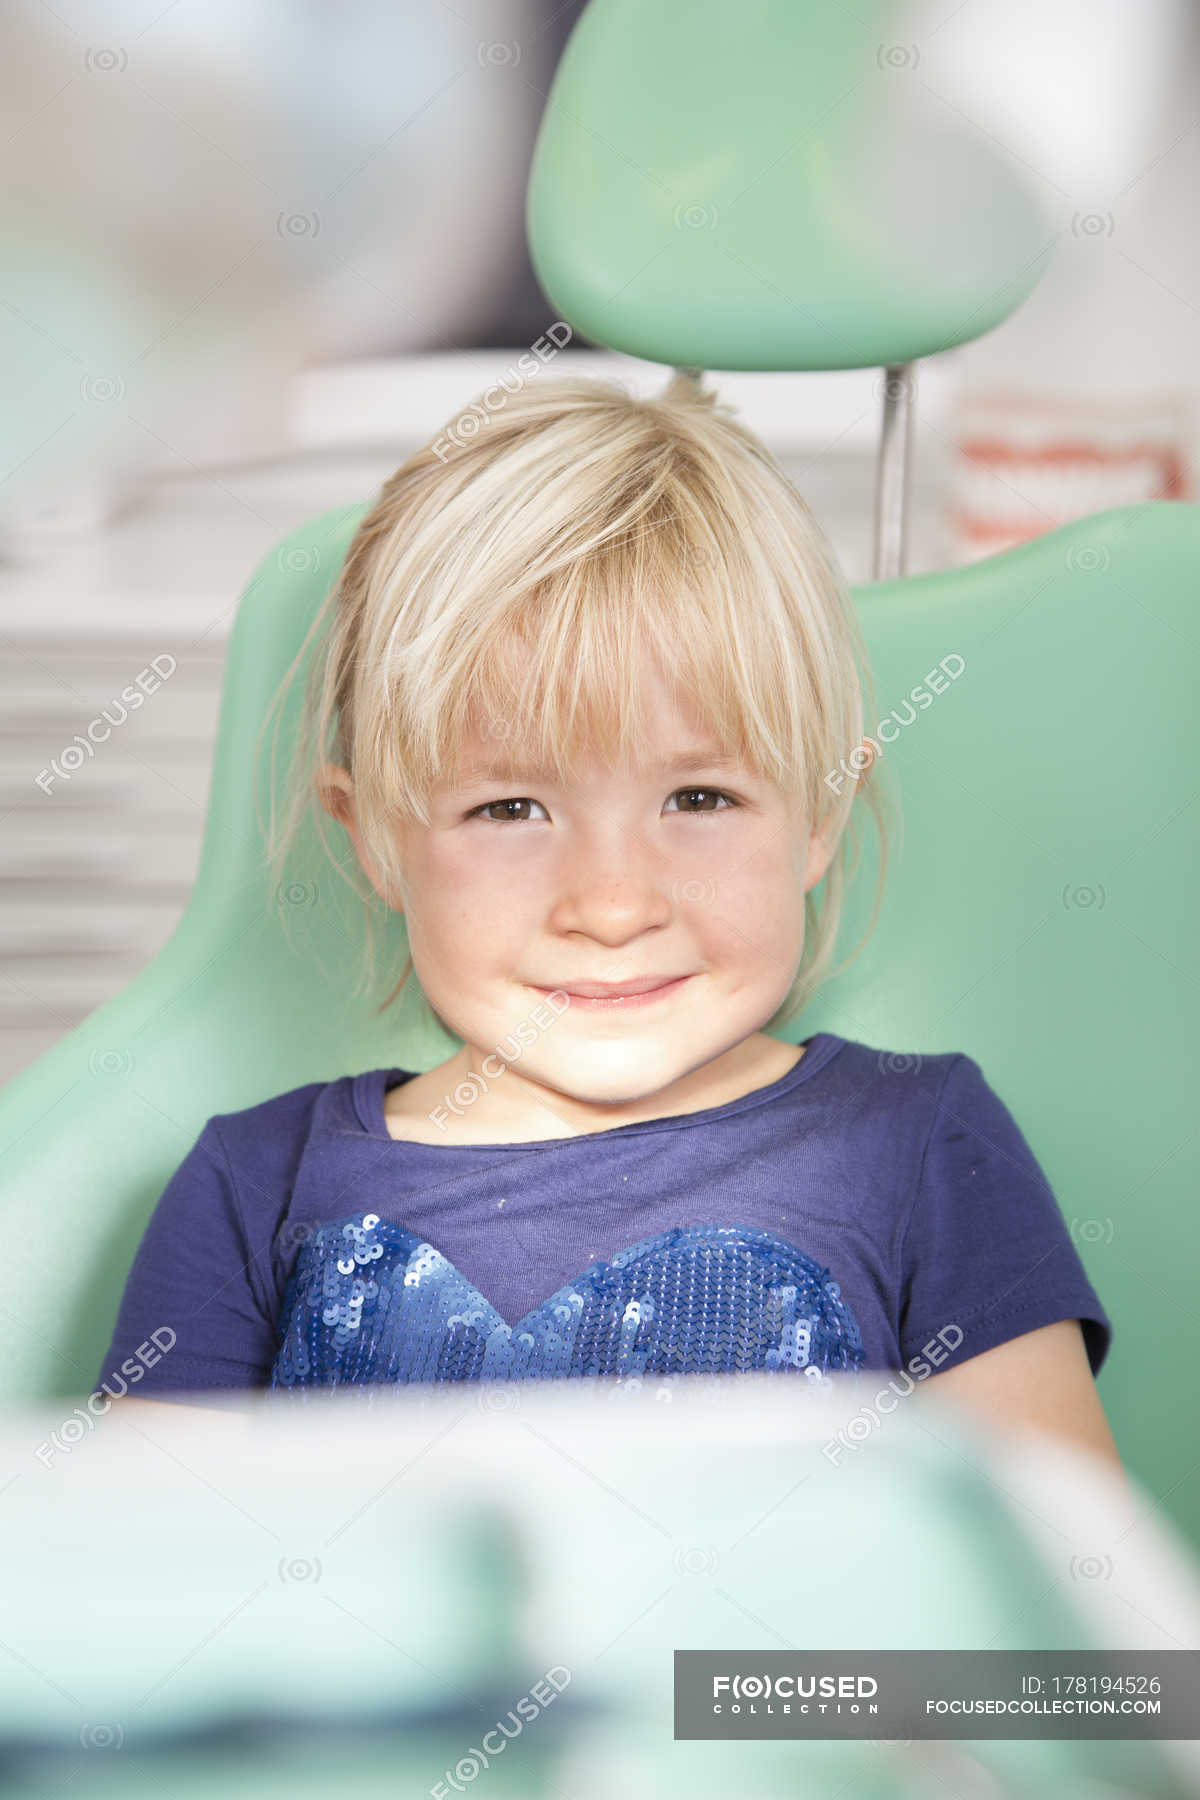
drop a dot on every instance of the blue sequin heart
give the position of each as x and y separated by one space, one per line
369 1301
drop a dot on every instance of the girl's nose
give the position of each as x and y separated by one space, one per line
612 892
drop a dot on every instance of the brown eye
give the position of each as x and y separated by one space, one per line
494 811
705 794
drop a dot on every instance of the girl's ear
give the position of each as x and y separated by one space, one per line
335 789
866 752
820 855
820 849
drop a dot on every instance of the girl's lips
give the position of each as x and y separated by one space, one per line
611 1002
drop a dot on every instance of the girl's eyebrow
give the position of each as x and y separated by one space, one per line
704 757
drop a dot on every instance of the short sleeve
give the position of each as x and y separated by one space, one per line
987 1253
192 1316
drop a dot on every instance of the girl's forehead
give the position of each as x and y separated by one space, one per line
707 754
644 723
669 743
668 716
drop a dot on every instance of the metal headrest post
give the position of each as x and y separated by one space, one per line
891 482
893 469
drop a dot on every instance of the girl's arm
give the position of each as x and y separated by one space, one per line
196 1291
1041 1380
130 1403
150 1417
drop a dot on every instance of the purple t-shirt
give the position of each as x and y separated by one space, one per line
858 1209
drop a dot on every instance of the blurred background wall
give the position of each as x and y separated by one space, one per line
251 257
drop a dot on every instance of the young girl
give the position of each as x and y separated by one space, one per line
578 688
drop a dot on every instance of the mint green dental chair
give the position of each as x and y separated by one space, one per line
723 189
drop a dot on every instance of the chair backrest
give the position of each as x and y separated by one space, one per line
1039 916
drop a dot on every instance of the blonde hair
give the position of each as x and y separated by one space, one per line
585 528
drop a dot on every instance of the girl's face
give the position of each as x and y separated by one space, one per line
680 868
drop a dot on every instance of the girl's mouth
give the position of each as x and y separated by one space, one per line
611 1002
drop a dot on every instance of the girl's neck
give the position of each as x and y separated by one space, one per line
419 1109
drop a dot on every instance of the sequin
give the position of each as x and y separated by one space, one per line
698 1299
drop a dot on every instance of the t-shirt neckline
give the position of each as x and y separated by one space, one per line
369 1091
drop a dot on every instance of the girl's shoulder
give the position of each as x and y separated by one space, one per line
279 1127
293 1104
895 1073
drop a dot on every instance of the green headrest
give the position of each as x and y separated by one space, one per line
756 187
